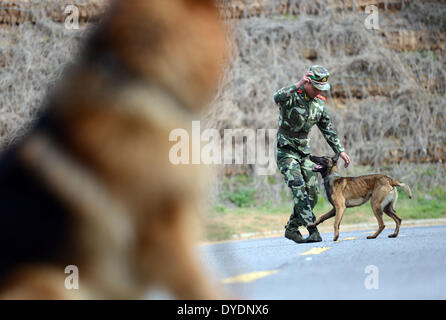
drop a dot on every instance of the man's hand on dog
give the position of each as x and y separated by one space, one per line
346 159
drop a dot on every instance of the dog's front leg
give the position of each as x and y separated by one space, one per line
170 254
340 209
324 217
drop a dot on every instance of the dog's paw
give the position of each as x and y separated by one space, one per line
371 237
392 235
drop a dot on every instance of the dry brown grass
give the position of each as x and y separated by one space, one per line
32 59
388 86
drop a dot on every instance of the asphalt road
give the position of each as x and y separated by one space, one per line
412 266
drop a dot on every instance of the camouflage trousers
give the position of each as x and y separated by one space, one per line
298 175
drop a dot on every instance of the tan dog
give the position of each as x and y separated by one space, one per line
348 192
92 184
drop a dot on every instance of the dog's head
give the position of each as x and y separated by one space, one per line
176 45
325 165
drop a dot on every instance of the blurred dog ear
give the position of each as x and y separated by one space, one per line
335 158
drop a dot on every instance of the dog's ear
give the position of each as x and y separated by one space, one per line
335 158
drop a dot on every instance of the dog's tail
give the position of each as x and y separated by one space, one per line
405 187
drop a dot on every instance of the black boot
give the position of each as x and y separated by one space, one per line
313 236
296 236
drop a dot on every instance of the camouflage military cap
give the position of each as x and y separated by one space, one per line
319 79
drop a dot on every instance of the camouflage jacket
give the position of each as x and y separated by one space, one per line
298 114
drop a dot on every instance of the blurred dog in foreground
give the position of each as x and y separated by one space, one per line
91 185
348 192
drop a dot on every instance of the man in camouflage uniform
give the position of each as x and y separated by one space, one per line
301 107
